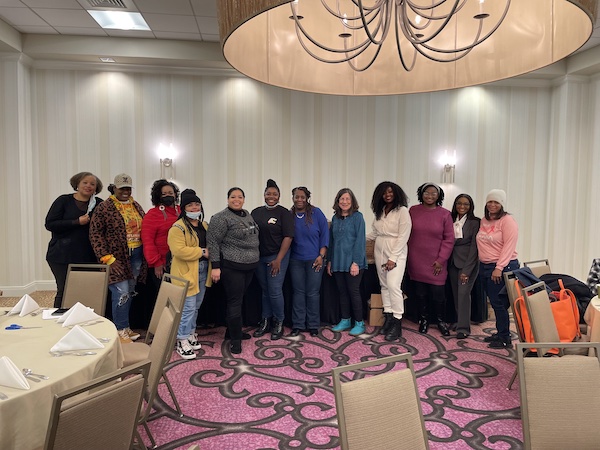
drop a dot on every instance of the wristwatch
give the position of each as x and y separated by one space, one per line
322 256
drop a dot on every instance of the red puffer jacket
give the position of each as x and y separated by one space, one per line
155 228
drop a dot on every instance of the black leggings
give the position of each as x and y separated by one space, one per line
235 282
430 296
349 288
60 274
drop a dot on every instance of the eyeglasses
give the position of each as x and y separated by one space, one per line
463 204
430 194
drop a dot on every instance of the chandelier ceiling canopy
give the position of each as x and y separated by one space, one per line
382 47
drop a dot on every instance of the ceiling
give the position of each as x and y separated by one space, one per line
184 34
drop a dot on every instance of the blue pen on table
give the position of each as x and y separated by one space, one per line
14 326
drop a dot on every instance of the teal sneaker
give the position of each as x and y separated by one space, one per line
345 324
358 328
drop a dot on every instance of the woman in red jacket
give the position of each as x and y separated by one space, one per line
155 227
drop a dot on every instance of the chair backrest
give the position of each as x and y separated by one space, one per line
160 352
540 314
382 410
513 293
538 267
172 288
87 284
104 413
560 399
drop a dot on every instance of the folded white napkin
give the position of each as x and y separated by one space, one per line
78 313
76 339
25 306
10 375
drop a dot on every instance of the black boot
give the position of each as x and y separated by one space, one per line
263 327
443 327
395 330
387 323
276 330
236 346
423 325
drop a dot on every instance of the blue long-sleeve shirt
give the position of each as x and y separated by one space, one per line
309 238
347 243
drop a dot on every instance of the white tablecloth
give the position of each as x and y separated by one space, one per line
24 417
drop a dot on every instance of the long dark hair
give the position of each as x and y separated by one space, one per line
500 215
309 208
470 213
377 202
188 223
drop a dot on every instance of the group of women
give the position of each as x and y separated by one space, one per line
429 241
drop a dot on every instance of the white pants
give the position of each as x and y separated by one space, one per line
390 281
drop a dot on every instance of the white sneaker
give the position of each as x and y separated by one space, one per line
194 342
184 349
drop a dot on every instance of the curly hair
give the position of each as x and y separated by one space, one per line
76 179
377 202
156 191
424 186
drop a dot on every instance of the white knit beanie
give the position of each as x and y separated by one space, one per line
496 195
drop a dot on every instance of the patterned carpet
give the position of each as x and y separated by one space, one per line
278 394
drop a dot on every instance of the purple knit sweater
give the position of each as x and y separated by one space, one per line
431 239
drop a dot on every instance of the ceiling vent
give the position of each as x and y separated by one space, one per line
114 5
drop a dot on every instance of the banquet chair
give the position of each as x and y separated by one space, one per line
138 351
84 417
160 352
87 284
381 410
560 399
538 267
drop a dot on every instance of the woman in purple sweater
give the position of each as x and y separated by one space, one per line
429 247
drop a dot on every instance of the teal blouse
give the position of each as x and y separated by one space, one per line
347 242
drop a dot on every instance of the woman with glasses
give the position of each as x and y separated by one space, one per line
232 239
463 266
430 245
497 246
309 248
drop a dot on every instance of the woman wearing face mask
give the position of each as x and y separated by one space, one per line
187 241
276 226
155 227
232 239
69 221
115 234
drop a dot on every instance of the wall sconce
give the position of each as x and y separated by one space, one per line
167 161
448 166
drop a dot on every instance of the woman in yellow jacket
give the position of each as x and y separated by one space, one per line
187 243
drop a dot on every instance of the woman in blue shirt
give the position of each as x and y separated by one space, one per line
348 259
309 247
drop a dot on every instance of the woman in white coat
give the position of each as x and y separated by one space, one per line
391 230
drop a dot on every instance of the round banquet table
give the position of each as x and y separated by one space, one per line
25 415
592 318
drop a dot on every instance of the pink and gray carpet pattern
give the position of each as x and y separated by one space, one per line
279 395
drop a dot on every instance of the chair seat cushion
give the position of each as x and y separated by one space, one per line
134 353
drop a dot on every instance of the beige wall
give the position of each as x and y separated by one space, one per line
541 143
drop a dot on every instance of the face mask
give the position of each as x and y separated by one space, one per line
169 200
194 215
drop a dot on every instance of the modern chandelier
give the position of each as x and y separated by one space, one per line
381 47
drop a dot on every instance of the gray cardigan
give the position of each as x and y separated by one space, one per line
233 238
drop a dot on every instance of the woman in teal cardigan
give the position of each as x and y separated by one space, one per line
348 259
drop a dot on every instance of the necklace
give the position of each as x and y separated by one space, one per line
300 216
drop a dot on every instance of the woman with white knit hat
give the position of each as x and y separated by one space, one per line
496 243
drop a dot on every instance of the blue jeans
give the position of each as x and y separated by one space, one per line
122 292
272 286
189 313
306 283
492 290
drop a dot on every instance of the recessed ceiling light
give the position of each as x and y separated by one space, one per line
119 20
107 60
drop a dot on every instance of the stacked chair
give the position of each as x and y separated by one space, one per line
85 418
381 410
538 267
87 284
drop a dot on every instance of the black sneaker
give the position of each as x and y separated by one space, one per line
493 338
500 344
461 335
194 342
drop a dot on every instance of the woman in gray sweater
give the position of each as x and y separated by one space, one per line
232 240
